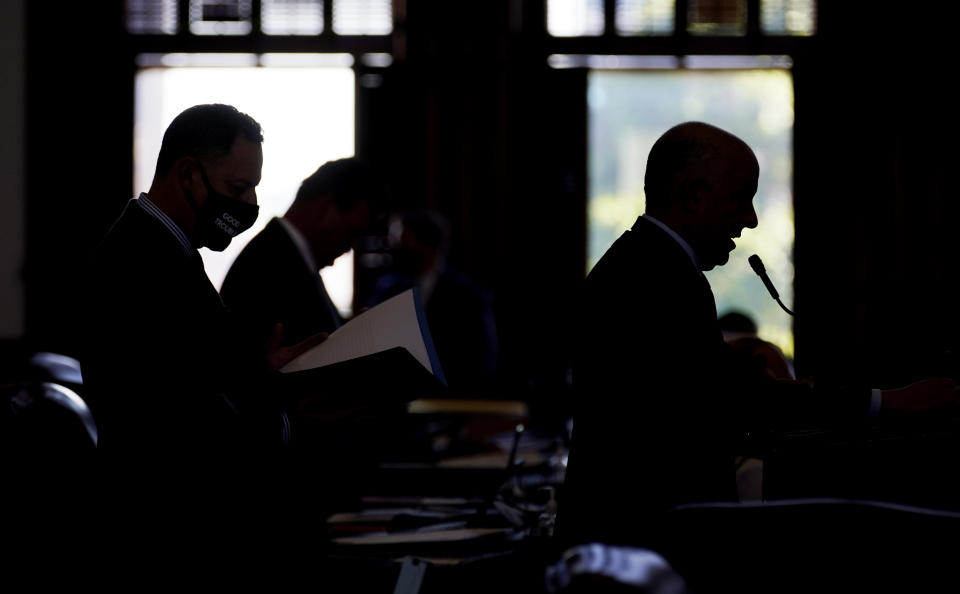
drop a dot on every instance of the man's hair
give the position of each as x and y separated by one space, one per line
737 321
205 131
429 227
682 161
348 181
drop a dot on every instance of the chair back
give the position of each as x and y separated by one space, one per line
45 417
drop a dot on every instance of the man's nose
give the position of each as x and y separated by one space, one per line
249 197
751 221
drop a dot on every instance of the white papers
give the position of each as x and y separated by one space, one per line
396 322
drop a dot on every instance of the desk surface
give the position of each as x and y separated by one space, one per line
478 525
915 462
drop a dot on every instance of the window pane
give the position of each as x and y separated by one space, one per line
788 17
307 114
291 17
645 17
629 110
152 17
362 17
574 18
717 17
220 17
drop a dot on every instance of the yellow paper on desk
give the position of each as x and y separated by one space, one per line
426 536
397 322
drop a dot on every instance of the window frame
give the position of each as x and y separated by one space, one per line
679 43
258 42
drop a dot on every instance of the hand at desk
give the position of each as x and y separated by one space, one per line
927 395
278 355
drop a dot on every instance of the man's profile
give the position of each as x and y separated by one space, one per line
276 280
662 402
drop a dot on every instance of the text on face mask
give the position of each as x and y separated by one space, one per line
226 228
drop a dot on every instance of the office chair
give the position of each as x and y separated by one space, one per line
812 545
599 568
45 417
54 367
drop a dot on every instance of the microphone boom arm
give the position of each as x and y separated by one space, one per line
761 271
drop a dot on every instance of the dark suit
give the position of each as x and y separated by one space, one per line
661 400
164 364
460 314
269 283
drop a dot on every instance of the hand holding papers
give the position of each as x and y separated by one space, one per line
386 351
279 355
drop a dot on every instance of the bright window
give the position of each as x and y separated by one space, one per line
573 18
585 18
307 114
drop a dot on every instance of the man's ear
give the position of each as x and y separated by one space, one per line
690 200
327 210
187 172
693 193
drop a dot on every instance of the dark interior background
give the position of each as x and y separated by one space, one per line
465 122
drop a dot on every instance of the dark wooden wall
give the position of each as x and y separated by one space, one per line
876 205
79 148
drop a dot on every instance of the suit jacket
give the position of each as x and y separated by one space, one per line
460 314
661 402
269 283
163 363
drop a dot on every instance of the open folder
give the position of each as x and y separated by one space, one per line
385 353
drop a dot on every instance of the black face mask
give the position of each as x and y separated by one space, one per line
221 218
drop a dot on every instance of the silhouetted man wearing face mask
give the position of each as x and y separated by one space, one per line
167 367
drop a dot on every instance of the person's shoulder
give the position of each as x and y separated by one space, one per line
462 281
272 231
266 240
389 285
643 266
132 222
263 254
272 246
137 237
645 248
138 266
645 236
623 255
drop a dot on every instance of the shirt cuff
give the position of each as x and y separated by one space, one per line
875 403
286 431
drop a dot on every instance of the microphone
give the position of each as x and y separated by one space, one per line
758 267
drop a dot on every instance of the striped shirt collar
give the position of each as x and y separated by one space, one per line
686 246
303 246
301 242
167 222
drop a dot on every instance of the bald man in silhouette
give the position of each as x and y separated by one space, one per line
661 401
